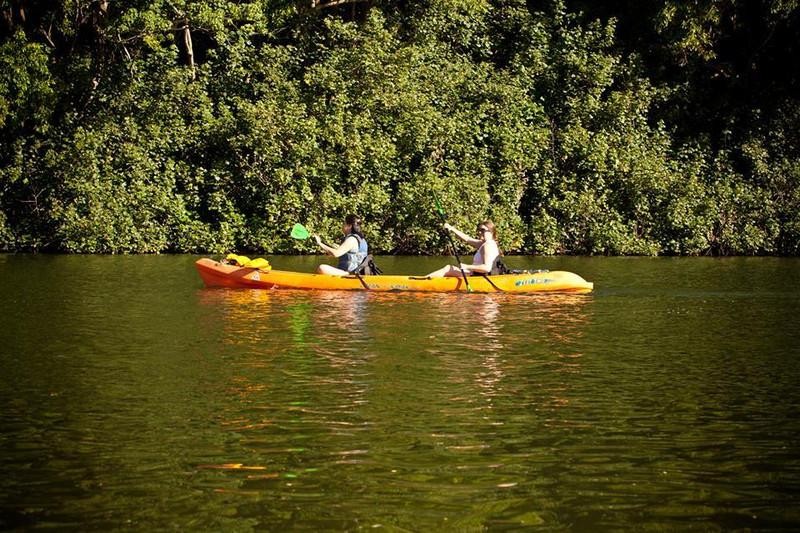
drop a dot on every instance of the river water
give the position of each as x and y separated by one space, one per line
133 398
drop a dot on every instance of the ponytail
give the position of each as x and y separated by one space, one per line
355 224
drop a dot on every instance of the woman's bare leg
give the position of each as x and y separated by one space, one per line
331 271
445 271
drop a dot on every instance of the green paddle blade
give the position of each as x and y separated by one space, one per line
439 208
300 232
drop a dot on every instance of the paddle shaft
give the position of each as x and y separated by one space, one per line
455 254
452 244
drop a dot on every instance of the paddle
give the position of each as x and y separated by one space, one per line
300 232
443 216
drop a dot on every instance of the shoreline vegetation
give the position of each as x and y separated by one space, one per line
627 128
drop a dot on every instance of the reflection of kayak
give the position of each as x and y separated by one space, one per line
216 274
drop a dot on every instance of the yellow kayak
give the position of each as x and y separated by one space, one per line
216 274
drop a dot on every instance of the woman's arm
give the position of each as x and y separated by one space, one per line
346 246
463 236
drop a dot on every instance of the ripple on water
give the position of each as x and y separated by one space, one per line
666 399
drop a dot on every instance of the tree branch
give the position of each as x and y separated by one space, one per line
318 4
187 40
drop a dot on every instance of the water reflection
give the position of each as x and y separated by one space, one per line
344 328
299 373
403 390
440 372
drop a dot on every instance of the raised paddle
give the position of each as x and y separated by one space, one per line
300 232
443 216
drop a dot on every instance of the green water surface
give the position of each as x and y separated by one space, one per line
133 398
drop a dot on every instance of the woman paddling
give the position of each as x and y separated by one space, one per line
485 256
351 252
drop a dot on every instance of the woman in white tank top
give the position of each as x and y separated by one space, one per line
483 260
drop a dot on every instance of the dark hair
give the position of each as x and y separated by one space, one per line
355 224
490 226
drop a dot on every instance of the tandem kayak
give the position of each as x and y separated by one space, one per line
217 274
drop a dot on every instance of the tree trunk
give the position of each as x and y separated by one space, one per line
321 4
187 40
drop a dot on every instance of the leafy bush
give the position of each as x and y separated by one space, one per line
209 127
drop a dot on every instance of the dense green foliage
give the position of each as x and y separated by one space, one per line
629 128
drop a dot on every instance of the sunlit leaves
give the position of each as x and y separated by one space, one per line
211 126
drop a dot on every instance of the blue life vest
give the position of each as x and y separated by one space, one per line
350 261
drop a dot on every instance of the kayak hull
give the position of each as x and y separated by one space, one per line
216 274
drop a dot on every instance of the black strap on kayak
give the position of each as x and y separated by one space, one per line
492 283
364 283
